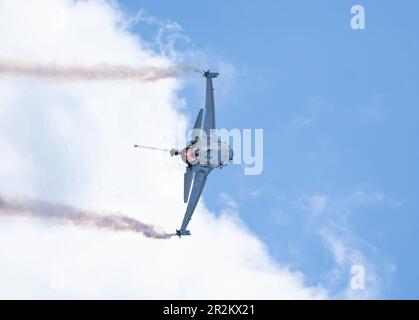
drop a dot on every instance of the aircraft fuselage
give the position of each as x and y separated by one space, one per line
212 154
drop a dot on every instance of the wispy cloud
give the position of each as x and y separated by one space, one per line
228 201
328 217
309 114
301 122
367 196
372 108
314 204
168 35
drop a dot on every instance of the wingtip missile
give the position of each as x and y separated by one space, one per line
180 233
209 74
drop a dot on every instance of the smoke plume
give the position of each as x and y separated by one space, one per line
93 73
69 215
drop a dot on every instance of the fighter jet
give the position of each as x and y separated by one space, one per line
202 154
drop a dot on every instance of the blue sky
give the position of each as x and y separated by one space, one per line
339 110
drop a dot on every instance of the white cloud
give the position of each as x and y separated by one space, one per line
72 143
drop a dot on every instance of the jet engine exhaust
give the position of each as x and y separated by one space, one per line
101 72
62 214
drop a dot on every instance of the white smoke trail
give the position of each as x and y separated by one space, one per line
93 73
69 215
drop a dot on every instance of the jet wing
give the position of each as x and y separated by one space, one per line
198 185
209 119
